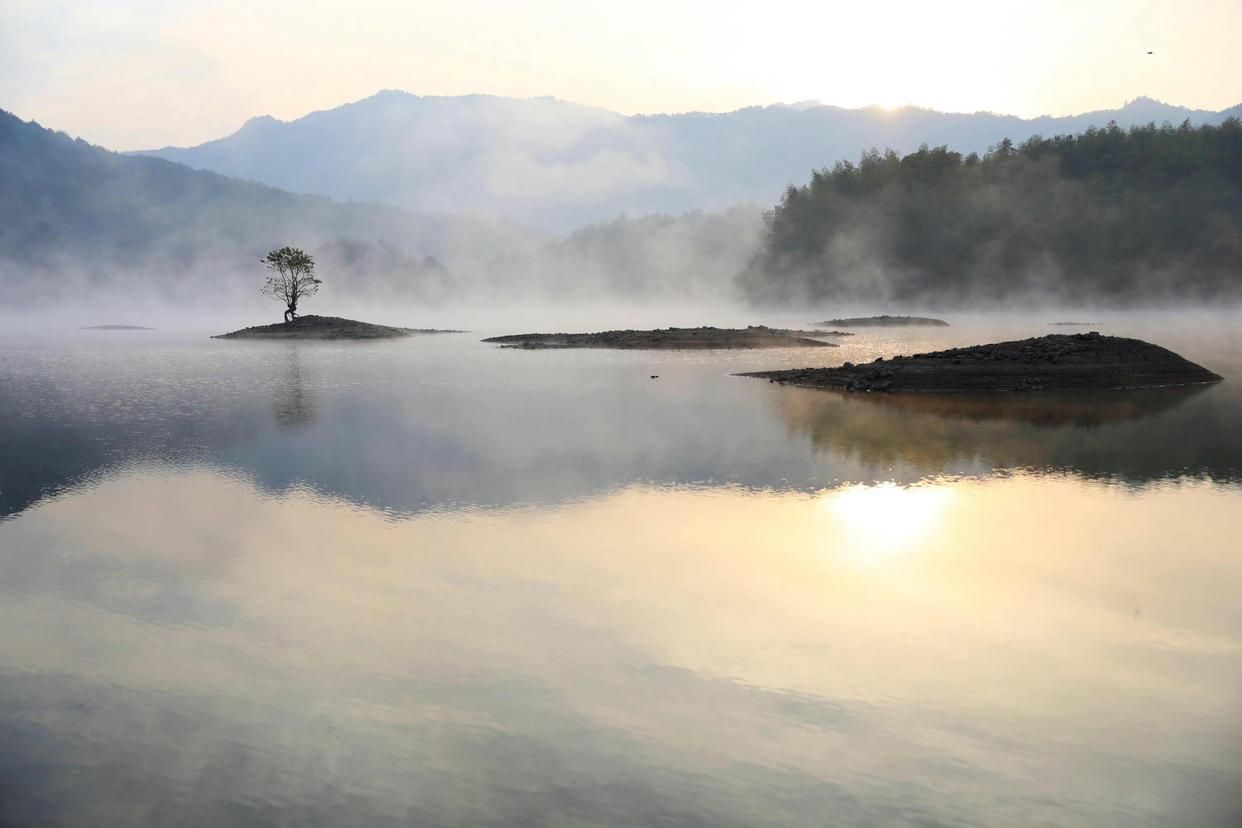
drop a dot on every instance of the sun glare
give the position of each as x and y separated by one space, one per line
878 521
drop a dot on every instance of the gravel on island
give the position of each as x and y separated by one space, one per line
1053 362
883 322
755 336
325 327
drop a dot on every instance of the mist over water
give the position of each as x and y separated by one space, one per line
1109 217
433 581
329 573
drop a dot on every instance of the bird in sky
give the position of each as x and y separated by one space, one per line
1151 53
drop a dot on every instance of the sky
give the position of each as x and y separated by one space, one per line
151 73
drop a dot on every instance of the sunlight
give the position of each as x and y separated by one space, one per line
883 519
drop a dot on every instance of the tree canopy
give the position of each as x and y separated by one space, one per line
1139 215
291 278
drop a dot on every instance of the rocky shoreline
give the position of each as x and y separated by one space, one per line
755 336
1053 362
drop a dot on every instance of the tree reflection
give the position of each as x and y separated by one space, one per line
295 406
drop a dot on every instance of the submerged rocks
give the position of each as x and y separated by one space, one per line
755 336
1054 362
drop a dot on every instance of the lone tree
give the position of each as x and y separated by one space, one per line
291 279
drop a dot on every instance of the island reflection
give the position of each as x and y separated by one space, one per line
1136 436
412 429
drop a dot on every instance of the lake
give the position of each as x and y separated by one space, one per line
433 582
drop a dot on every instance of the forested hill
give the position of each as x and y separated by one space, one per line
1139 215
76 217
63 196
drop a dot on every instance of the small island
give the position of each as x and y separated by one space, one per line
1054 362
325 327
116 328
883 322
291 279
755 336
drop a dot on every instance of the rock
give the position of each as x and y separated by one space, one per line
703 338
1055 362
885 321
324 327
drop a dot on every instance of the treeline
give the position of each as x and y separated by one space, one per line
1146 214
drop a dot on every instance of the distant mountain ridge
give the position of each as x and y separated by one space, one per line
74 217
78 222
560 165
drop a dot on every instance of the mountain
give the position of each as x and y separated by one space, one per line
73 215
559 165
78 222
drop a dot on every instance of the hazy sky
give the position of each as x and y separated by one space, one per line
147 73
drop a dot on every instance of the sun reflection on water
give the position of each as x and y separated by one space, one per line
880 520
798 651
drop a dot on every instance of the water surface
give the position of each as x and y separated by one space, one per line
431 582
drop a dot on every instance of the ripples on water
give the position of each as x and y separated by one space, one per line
434 583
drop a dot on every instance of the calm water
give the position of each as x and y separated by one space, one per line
430 582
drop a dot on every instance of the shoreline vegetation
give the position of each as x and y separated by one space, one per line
704 338
1056 362
884 321
326 327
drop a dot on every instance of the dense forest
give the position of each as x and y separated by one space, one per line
1146 214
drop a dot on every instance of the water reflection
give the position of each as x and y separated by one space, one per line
294 405
1135 436
882 519
411 427
1078 409
184 650
432 583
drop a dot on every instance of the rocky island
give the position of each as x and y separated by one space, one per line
325 327
755 336
883 322
1053 362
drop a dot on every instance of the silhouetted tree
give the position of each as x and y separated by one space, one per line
292 278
